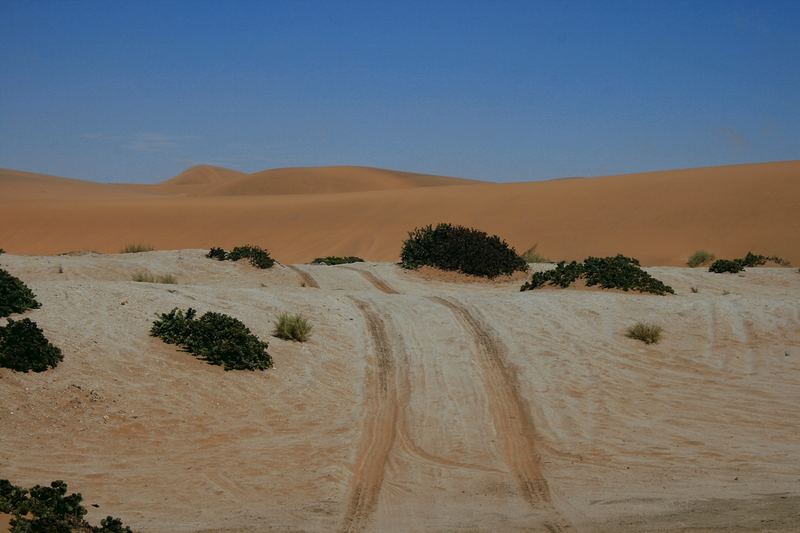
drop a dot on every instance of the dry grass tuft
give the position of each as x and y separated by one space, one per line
292 327
647 333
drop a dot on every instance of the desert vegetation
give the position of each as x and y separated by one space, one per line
50 510
462 249
214 337
15 296
750 260
700 258
292 327
258 256
531 255
618 272
147 277
647 333
336 260
136 248
23 347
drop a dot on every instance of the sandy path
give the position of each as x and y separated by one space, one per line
305 278
376 282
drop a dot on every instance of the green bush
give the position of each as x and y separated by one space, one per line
136 248
258 257
218 339
24 347
147 277
15 296
336 260
618 272
750 260
462 249
647 333
49 510
700 257
2 251
292 327
532 256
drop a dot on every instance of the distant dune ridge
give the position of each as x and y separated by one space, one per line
302 213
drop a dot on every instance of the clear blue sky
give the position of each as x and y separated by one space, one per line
502 90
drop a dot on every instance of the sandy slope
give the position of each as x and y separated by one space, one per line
418 405
661 217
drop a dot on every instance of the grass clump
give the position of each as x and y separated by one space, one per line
292 327
699 258
214 337
23 347
147 277
647 333
336 260
618 272
258 256
462 249
750 260
49 510
15 296
136 248
532 256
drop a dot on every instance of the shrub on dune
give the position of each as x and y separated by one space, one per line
136 248
750 260
336 260
217 338
647 333
15 296
292 327
699 258
257 256
23 347
461 249
531 255
147 277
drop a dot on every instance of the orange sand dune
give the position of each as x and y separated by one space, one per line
659 217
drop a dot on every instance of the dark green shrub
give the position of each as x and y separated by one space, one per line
15 296
218 339
564 275
292 328
258 257
2 251
217 253
726 265
647 333
50 510
462 249
336 260
618 272
700 257
24 347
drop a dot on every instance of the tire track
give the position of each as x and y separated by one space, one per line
377 282
380 428
305 277
512 420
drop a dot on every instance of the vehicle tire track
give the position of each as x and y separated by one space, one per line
512 420
377 282
305 277
380 429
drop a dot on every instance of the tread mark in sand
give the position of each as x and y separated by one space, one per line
376 282
511 418
380 428
305 277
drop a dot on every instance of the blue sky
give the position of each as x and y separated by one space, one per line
500 90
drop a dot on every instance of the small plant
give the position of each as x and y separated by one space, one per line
618 272
147 277
258 257
136 248
15 296
23 347
292 327
336 260
699 258
217 338
60 269
647 333
726 265
462 249
695 290
50 510
2 251
532 256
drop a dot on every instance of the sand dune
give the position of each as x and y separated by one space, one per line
659 217
417 405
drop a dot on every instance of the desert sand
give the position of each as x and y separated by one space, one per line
418 404
299 214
